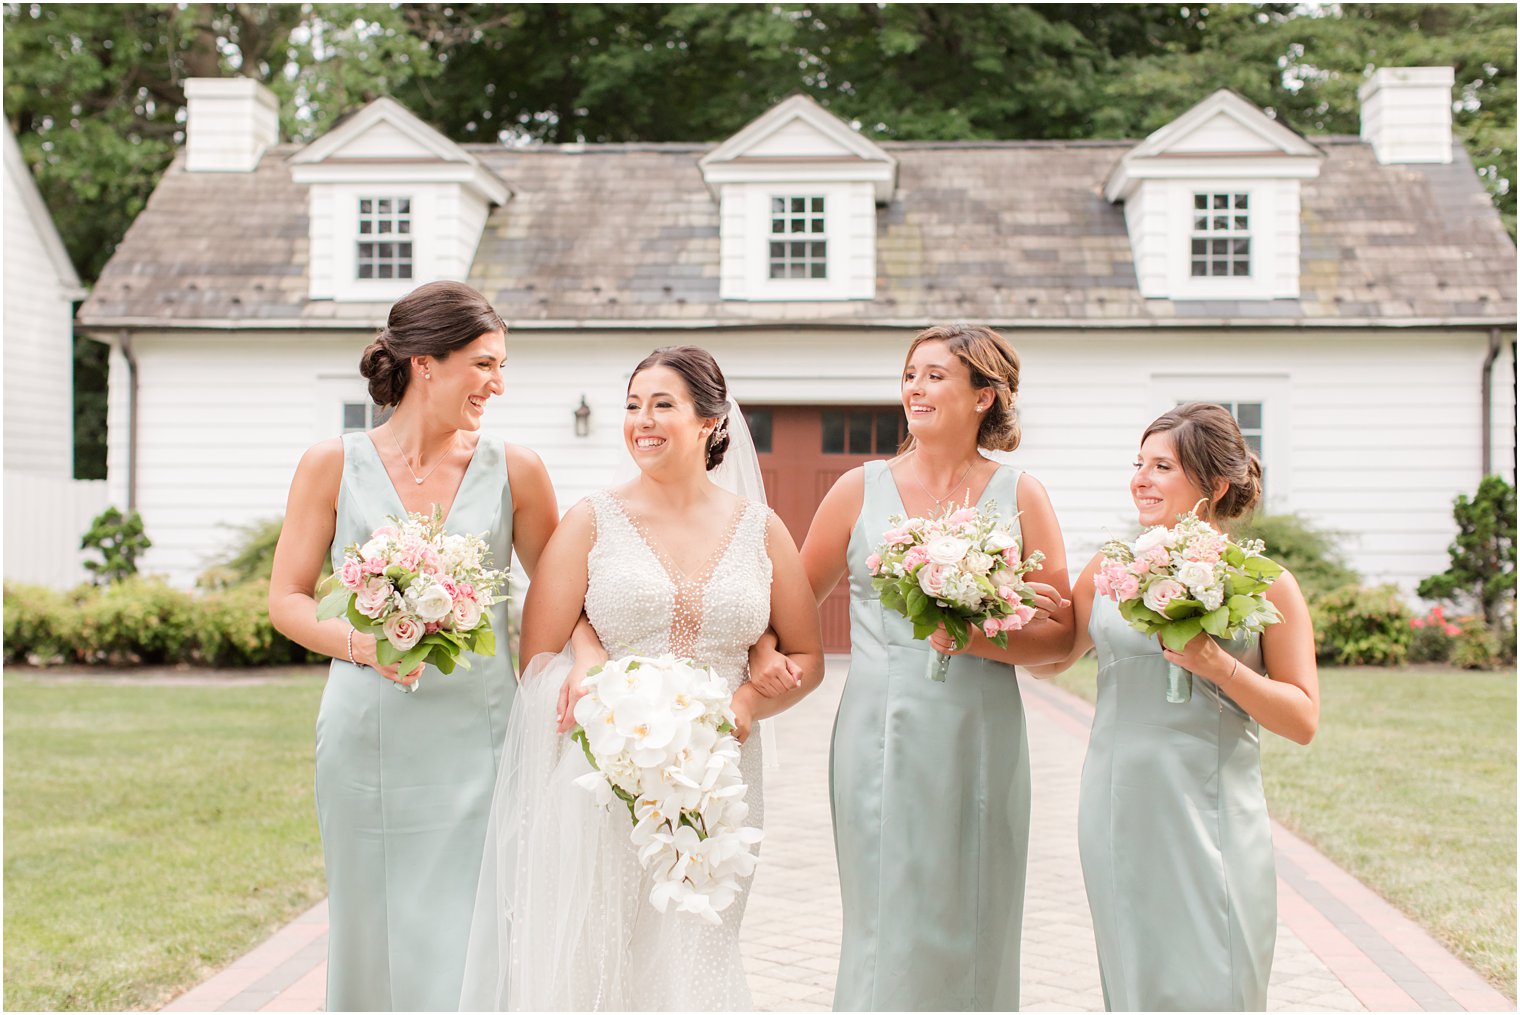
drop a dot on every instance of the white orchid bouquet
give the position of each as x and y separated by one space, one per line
1186 580
658 731
961 569
422 592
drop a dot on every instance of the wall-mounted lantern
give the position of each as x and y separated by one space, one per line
583 419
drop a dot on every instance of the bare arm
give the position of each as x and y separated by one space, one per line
535 512
1045 639
311 518
1287 702
794 623
1081 607
555 600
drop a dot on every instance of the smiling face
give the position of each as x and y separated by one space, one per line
1161 490
461 384
660 425
937 394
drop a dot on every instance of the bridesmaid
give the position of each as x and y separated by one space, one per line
1175 840
930 781
404 780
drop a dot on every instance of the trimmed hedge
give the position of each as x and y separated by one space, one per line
1355 626
143 620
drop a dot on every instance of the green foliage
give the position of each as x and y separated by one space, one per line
1476 647
1355 626
1483 555
1433 637
233 629
137 620
120 540
91 371
1309 552
249 556
41 624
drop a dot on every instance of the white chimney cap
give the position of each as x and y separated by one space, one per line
230 121
1406 114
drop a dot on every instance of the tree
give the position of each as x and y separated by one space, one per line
1483 554
120 540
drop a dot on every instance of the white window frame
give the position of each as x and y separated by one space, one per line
341 203
759 285
814 212
1271 391
1262 199
394 218
1235 209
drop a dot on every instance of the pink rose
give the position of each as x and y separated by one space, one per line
962 516
1009 594
384 532
351 574
427 560
467 614
433 627
1161 593
372 598
1011 555
402 632
467 590
1022 614
1103 583
914 557
375 565
1126 587
932 579
873 563
991 627
897 537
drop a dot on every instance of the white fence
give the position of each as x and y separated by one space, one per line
44 518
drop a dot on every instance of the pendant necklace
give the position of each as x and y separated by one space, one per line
441 460
939 500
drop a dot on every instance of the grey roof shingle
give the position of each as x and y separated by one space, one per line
1007 232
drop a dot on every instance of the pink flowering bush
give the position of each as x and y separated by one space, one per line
422 592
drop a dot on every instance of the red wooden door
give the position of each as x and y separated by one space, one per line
802 451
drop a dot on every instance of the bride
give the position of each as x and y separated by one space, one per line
678 560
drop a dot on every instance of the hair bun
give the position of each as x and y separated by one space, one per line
717 445
379 365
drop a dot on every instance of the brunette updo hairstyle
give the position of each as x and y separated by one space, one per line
709 391
1209 448
431 320
993 364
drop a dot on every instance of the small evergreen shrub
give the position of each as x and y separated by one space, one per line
120 540
1355 626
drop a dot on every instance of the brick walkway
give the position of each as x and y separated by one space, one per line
1339 946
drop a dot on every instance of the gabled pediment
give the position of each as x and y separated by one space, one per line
385 133
797 139
1225 133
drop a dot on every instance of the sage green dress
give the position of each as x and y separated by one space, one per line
930 790
404 781
1173 830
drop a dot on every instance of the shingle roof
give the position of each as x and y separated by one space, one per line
1006 232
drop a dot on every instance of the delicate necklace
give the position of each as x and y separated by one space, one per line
939 500
441 460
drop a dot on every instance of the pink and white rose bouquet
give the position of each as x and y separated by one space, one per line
422 592
962 569
1186 580
658 731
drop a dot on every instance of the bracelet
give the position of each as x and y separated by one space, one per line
351 658
1231 677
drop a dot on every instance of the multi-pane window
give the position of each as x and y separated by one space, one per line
798 245
364 416
762 425
385 237
1221 235
863 431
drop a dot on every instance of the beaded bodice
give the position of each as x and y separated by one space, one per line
641 602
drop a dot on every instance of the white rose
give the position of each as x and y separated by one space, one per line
1150 539
978 562
1196 575
432 604
947 550
999 540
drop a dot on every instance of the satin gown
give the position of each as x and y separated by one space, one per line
930 790
1174 835
404 781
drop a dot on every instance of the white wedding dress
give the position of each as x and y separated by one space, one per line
563 919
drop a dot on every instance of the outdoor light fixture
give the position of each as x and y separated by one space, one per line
583 419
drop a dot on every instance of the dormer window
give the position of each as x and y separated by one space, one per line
385 245
799 245
1221 235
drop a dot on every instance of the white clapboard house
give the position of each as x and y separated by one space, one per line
1351 299
46 509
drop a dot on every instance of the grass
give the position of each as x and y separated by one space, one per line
152 834
1410 786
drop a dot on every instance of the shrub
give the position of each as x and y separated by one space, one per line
249 556
1476 647
41 625
120 540
138 619
1432 638
1483 554
234 629
1355 626
1309 552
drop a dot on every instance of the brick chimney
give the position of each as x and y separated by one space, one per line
230 123
1406 114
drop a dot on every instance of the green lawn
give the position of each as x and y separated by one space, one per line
1410 786
152 834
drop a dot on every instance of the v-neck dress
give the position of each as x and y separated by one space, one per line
404 781
930 790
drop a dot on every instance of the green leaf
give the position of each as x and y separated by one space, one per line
1217 622
918 603
1176 636
334 604
485 641
407 663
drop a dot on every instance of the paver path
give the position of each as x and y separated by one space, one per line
1339 946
